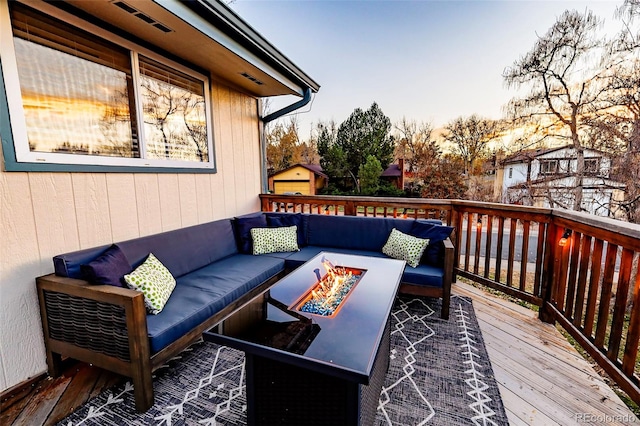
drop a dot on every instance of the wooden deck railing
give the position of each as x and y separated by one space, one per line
590 285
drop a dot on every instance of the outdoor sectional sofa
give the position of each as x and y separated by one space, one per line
109 326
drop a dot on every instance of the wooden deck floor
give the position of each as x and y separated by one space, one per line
543 380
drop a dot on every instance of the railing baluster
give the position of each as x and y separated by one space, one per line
594 281
633 334
620 305
487 246
605 295
512 246
573 272
537 280
467 251
585 254
476 258
499 248
525 255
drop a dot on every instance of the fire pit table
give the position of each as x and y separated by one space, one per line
317 342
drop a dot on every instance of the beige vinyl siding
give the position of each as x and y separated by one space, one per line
43 214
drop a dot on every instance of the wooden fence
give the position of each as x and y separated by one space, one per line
580 270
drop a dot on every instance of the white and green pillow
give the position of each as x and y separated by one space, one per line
155 281
274 240
405 247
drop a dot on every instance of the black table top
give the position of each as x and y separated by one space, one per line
344 344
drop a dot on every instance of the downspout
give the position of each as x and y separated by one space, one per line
263 140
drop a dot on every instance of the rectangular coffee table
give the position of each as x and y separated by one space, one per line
320 368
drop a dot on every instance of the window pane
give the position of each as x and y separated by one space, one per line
174 111
71 104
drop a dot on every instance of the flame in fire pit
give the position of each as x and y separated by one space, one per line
330 291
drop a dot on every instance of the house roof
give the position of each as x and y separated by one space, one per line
205 33
528 155
314 168
392 171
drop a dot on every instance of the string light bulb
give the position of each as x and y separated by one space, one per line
565 238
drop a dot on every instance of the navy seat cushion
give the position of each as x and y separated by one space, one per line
290 219
186 308
434 254
426 275
109 268
202 293
242 226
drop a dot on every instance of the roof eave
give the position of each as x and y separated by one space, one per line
222 16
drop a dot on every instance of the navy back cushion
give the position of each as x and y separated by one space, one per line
242 226
434 254
353 232
290 219
181 251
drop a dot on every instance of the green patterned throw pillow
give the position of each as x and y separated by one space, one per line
155 281
405 247
273 240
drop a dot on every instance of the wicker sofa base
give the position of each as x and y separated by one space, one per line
106 326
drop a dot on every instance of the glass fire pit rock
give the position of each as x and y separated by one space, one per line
328 294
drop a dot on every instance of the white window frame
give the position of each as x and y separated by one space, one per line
18 119
544 170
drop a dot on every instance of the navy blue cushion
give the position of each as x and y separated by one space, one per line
359 233
434 254
186 249
202 293
426 275
243 225
68 264
291 219
108 268
186 308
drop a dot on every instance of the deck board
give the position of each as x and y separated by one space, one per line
543 380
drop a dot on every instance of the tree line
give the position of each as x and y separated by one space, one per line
578 89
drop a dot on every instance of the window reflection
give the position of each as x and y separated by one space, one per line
72 105
174 114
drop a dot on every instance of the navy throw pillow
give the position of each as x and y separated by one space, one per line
293 219
434 254
108 268
243 226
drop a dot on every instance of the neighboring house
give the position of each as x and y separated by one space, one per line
545 178
303 178
395 174
120 119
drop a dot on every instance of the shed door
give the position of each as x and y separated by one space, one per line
301 186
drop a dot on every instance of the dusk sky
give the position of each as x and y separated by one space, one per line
426 60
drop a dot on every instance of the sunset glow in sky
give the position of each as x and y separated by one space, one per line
426 60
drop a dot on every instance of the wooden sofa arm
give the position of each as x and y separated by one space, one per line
449 254
98 324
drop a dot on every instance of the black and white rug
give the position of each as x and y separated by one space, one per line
439 374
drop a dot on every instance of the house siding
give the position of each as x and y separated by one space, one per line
43 214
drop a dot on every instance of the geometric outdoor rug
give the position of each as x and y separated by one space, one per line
439 374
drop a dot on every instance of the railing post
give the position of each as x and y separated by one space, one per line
456 223
265 204
350 208
545 314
